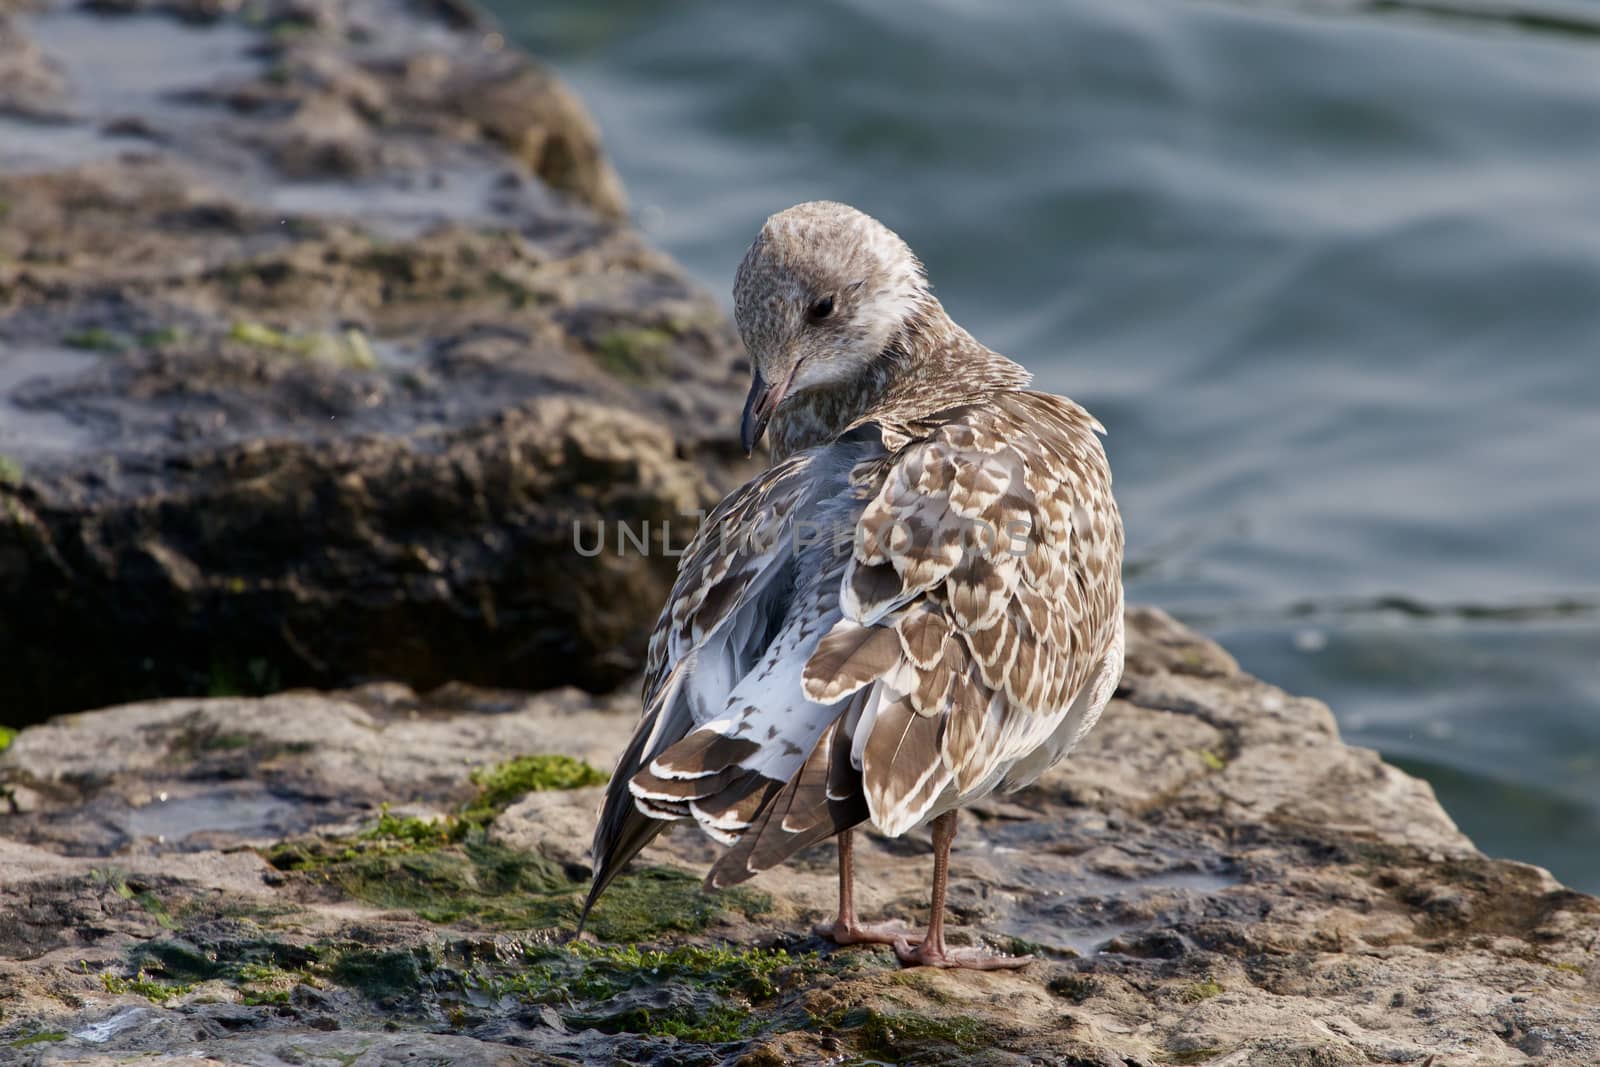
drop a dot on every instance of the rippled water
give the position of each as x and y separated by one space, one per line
1329 273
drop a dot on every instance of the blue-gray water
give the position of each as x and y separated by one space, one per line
1330 274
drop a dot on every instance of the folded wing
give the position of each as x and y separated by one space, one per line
978 620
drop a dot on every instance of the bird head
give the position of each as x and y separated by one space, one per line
822 293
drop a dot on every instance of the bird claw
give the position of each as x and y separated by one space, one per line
854 933
921 954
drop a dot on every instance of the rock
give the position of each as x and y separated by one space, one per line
1212 878
535 117
321 350
30 86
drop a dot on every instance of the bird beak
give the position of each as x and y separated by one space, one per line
758 409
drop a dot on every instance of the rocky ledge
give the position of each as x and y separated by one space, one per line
369 877
319 333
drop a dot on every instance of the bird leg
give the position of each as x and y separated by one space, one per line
846 930
931 950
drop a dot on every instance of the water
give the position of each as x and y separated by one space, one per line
30 430
1329 273
104 1030
131 70
238 813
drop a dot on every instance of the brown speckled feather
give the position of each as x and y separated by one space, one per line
998 640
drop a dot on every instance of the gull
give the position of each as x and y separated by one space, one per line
918 603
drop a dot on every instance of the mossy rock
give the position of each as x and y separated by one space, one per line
504 783
447 872
699 993
909 1037
487 886
381 975
636 353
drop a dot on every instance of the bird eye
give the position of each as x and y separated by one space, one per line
821 309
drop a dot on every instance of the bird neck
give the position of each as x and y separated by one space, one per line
931 365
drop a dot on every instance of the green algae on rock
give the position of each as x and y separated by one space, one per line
384 973
697 993
98 339
700 993
910 1037
507 781
637 354
445 871
497 786
348 348
141 984
38 1038
476 884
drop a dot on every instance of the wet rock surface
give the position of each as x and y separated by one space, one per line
319 332
1212 878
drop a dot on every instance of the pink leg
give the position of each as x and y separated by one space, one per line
931 951
846 930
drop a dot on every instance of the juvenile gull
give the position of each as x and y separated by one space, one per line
919 602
